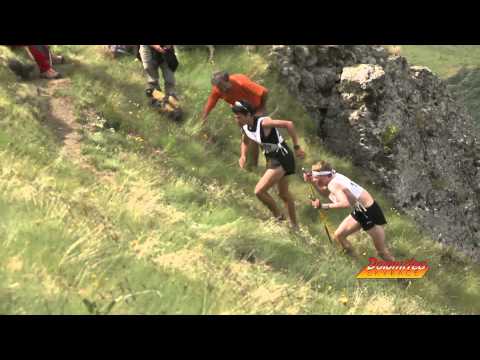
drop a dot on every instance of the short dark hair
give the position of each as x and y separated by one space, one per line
219 76
243 107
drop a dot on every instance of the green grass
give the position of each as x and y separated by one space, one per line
168 224
459 65
444 60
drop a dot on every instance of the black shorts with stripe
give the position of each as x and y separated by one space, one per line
368 219
287 161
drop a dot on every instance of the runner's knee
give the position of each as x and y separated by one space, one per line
285 196
259 192
339 234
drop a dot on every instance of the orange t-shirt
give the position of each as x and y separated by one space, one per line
242 89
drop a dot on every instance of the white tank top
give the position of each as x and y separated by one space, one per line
353 187
257 137
256 134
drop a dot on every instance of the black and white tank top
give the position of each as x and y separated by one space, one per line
270 144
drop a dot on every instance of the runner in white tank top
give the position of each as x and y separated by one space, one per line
345 193
355 189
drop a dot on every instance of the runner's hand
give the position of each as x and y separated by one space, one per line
316 204
300 153
159 49
242 162
307 177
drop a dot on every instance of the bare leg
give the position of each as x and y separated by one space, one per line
287 198
377 233
269 179
348 227
253 148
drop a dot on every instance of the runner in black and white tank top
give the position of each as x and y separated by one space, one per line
257 134
277 152
280 159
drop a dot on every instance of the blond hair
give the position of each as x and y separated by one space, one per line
322 166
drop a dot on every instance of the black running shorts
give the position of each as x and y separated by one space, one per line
368 219
287 161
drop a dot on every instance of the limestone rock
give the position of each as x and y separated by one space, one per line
400 123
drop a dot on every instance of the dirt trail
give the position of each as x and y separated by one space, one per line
62 121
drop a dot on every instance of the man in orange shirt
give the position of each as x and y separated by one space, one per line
237 87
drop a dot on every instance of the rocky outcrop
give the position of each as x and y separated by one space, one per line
398 121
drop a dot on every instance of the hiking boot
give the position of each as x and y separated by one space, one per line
149 92
151 89
173 95
51 74
154 103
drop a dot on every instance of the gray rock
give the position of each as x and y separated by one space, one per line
401 123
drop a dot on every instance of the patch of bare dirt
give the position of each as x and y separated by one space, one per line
62 121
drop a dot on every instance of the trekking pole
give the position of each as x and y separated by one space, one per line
324 220
323 216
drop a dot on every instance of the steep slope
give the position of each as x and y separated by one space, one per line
161 220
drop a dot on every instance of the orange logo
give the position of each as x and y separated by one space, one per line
409 269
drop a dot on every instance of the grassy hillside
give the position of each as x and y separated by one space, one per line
459 65
143 216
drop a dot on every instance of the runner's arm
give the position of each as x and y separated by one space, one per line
158 48
322 190
243 150
211 102
270 123
342 200
244 145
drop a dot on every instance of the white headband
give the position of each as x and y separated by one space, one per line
322 173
